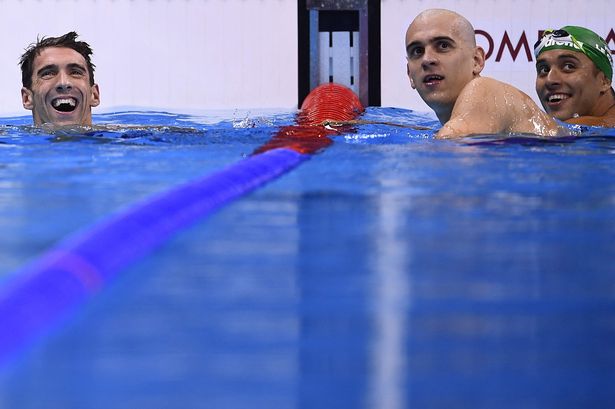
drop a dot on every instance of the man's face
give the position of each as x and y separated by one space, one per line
440 61
61 93
568 83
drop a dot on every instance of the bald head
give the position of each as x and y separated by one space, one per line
442 58
459 25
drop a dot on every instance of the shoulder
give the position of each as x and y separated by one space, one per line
492 106
477 110
489 87
603 121
606 120
487 95
486 83
490 95
505 100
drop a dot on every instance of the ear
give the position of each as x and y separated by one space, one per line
479 61
408 74
27 99
95 96
605 83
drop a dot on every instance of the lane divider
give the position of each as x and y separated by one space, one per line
34 300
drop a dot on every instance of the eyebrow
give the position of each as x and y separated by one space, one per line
76 65
47 67
431 40
56 67
560 58
567 56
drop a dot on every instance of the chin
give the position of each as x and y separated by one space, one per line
562 116
67 122
435 101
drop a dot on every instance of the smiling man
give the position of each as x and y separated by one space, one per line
58 81
574 70
444 65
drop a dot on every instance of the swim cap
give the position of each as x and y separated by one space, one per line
578 39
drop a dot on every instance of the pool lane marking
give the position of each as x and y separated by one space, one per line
34 300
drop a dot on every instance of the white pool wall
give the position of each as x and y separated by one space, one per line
239 54
495 18
174 54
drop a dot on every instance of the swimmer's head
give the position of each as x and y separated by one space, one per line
579 39
58 81
68 40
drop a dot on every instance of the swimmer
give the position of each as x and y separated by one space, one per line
444 65
574 70
57 75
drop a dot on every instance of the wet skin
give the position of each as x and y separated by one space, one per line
61 93
568 84
440 62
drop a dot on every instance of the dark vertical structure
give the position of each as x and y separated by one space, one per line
339 41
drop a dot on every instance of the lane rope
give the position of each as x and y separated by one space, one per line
38 297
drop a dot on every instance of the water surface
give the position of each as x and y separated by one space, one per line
391 270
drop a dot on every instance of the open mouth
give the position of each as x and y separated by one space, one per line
65 104
432 79
556 99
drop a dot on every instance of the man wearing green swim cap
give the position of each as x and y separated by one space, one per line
574 71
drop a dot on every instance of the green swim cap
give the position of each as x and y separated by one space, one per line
578 39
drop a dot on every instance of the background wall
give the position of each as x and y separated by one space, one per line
186 55
495 18
176 54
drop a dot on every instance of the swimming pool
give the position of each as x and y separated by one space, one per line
391 270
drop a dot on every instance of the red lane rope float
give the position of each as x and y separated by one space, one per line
327 102
45 292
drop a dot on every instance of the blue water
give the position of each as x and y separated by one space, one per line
391 270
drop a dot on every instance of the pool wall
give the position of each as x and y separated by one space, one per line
232 54
507 30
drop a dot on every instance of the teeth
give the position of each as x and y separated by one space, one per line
433 78
60 101
557 97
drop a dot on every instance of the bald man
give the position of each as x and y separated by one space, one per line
444 65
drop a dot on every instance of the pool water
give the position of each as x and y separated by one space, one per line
391 270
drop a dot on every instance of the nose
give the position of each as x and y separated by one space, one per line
429 57
553 77
64 82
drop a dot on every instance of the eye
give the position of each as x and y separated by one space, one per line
47 73
542 69
443 45
415 51
568 67
77 72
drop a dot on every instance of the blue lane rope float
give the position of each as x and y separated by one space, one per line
46 291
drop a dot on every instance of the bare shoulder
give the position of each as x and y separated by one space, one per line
485 96
476 111
496 107
491 95
486 83
604 121
490 87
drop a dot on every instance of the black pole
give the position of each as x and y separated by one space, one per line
303 57
373 10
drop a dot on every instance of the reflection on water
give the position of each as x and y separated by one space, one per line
386 272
